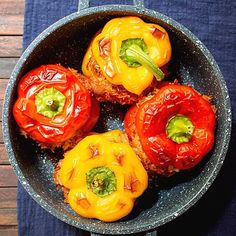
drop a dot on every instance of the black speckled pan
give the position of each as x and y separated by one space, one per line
65 42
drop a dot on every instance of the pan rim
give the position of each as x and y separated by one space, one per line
8 143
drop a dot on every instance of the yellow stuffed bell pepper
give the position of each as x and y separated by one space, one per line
129 52
104 177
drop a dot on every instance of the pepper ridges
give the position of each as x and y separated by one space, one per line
105 185
53 105
106 47
175 128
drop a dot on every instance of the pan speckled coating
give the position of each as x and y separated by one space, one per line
65 42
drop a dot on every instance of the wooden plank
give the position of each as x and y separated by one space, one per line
9 231
1 134
11 17
11 24
7 177
6 67
12 7
1 106
4 160
3 86
8 198
10 46
8 216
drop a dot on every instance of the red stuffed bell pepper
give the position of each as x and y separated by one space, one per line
53 106
173 129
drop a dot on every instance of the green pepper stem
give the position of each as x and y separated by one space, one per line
52 105
98 183
179 129
50 102
101 181
137 54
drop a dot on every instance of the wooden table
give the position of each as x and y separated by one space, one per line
11 30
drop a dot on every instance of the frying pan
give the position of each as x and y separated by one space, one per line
65 42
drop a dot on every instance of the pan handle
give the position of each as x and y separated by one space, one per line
153 233
83 4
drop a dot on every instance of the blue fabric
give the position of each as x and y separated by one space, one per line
214 23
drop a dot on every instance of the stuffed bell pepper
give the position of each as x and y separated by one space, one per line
101 176
171 130
124 60
53 106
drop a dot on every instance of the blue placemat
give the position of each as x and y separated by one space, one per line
214 23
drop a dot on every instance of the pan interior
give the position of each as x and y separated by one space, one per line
166 198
